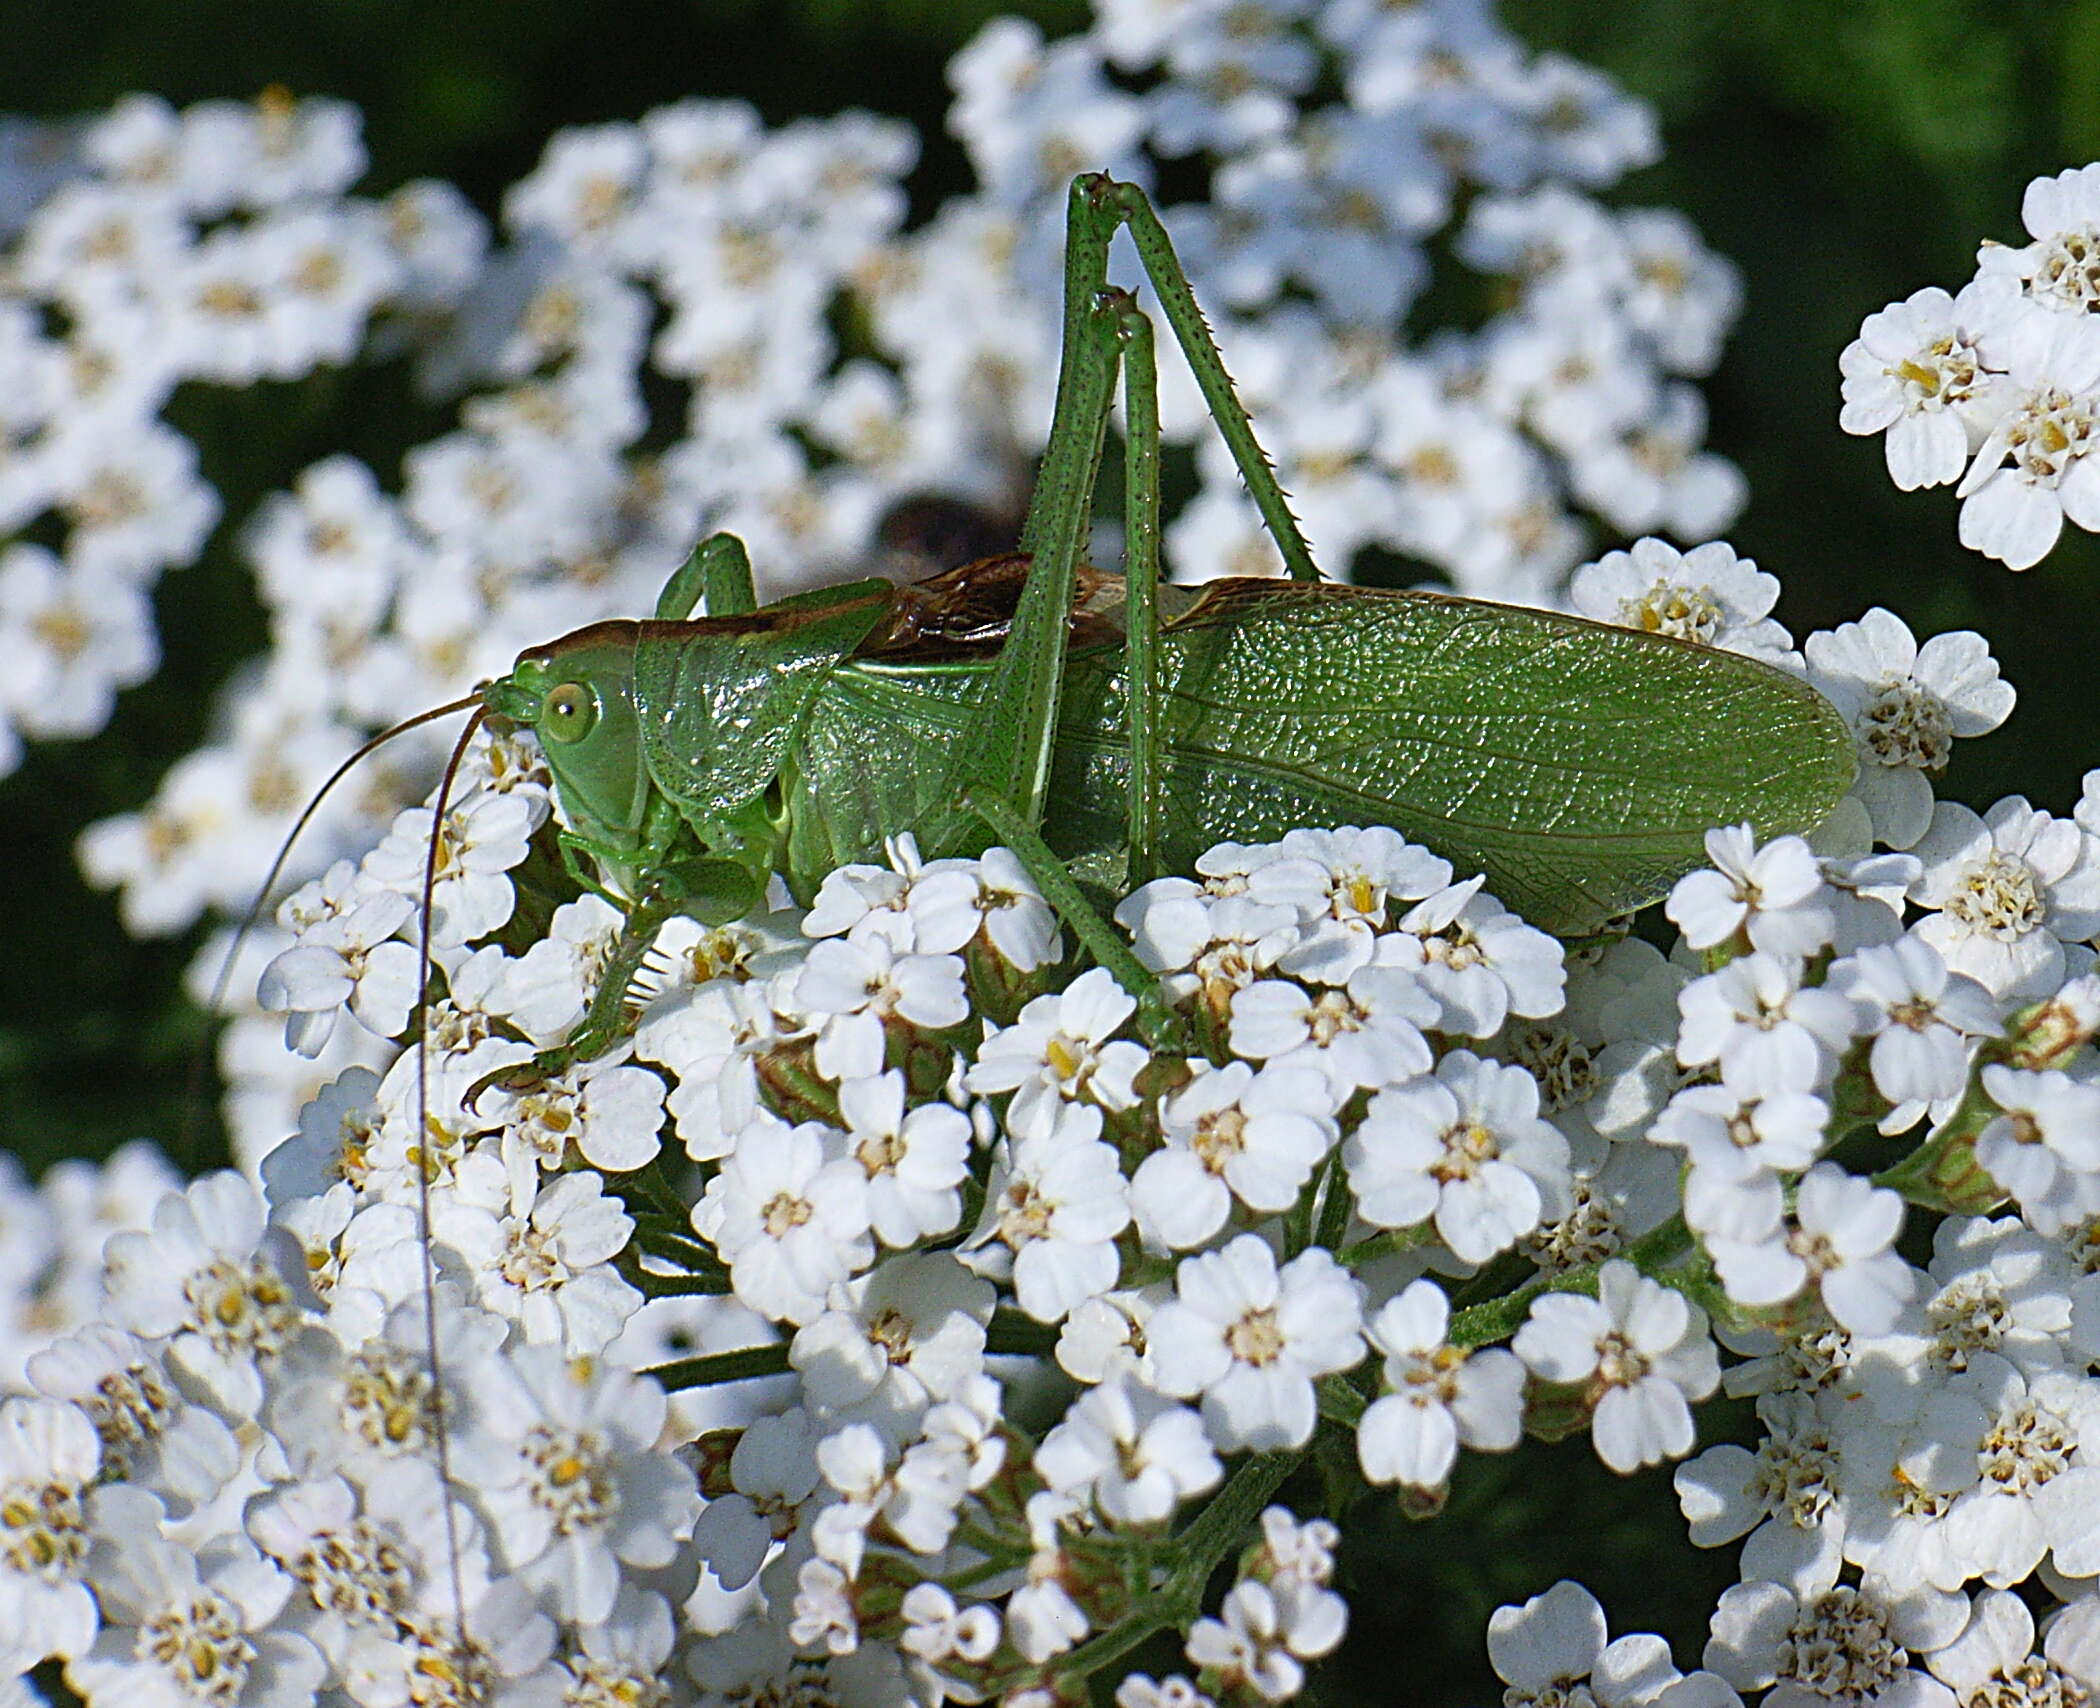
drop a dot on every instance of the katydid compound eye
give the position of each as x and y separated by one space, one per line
569 712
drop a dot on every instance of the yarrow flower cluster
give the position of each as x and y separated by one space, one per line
725 1297
1997 387
883 1300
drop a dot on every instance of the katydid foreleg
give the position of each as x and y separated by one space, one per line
713 892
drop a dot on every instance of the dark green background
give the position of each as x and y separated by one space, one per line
1843 152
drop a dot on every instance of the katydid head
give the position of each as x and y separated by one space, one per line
577 695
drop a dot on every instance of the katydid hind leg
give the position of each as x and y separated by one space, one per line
1141 573
1178 303
1009 742
1157 1021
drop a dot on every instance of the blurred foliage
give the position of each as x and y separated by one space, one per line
1844 152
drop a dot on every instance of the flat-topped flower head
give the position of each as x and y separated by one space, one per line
567 1466
1763 1026
1136 1454
50 1459
915 1160
2044 1145
789 1215
1232 1135
1826 1640
1995 1660
853 986
1438 1397
480 840
1466 1149
1922 1018
1839 1244
1786 1496
183 1625
896 1341
1062 1048
1056 1204
2061 267
1480 961
1366 1033
150 1432
209 1274
1772 894
1553 1649
1264 1635
2034 470
2009 890
541 1256
1643 1352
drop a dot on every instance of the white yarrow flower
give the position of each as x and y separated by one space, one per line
1642 1350
1438 1397
1251 1339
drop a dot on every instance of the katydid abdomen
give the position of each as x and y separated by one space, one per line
1578 765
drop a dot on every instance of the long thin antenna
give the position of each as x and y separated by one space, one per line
215 1004
420 1155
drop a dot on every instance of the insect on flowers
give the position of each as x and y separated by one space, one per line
1109 727
1104 730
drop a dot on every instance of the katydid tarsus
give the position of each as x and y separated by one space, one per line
1107 729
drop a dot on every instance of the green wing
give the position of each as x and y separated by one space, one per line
1577 764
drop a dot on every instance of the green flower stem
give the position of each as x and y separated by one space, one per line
741 1365
1943 1173
679 1286
657 1188
690 1255
1337 1205
1383 1244
992 1566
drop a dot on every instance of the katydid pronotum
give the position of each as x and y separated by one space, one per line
1106 729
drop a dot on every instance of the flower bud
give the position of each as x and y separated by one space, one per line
2049 1033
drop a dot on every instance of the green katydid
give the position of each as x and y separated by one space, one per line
1084 718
